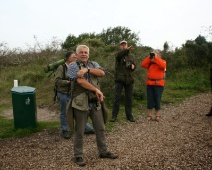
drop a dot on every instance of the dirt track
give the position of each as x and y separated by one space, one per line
182 140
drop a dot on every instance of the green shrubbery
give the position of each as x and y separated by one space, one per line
187 72
182 74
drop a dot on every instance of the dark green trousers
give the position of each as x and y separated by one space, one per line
99 127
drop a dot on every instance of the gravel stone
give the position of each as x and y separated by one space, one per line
182 140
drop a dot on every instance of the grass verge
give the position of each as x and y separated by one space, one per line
7 129
178 87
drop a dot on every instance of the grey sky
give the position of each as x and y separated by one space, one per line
156 21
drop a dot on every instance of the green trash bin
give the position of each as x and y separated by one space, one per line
24 107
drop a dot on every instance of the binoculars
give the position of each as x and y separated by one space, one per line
152 55
128 64
54 65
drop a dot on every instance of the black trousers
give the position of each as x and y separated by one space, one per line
211 85
211 77
128 99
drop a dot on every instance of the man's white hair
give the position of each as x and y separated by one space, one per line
81 46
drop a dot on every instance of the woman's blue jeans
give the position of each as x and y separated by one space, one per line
154 94
63 100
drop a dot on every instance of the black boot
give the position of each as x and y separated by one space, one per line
210 113
131 119
113 119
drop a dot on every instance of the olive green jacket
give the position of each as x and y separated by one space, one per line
123 70
80 100
80 96
61 79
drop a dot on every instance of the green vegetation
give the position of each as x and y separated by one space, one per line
187 73
7 128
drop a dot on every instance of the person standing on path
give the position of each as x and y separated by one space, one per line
155 81
62 85
210 112
86 82
124 66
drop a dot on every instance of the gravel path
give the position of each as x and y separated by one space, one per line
182 140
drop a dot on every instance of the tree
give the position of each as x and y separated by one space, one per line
200 40
210 52
196 51
71 41
85 36
96 43
112 36
165 47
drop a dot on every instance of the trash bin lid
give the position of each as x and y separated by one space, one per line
23 89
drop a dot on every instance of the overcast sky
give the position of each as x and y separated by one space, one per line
157 21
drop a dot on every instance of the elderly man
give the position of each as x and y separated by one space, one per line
85 75
62 86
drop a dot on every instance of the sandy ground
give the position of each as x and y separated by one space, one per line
43 114
181 140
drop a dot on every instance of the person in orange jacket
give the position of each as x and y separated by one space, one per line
155 81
